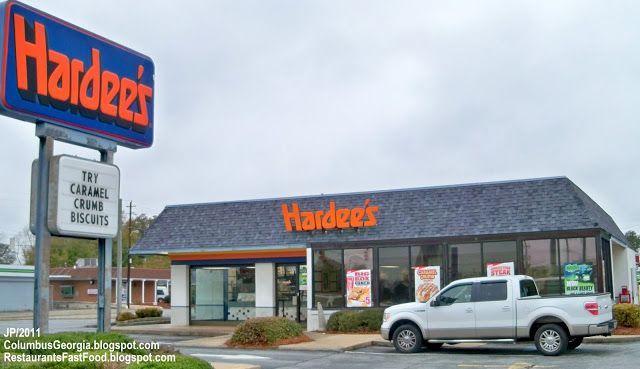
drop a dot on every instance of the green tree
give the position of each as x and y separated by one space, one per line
136 230
65 251
634 240
7 254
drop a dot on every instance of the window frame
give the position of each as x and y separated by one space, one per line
476 290
520 288
452 287
66 295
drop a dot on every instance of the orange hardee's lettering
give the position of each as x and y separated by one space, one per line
331 219
67 83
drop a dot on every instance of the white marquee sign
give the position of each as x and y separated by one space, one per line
83 197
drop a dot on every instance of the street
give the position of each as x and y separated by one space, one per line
55 325
496 356
507 356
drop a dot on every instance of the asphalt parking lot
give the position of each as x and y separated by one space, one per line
489 356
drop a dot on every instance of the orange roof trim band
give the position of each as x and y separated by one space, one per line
249 254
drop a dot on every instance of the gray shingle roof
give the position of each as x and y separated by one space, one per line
532 205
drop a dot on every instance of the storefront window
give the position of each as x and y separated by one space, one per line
578 261
358 269
356 259
498 252
327 278
430 255
465 261
241 293
394 275
427 255
541 263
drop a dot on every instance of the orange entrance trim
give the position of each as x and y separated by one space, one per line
248 254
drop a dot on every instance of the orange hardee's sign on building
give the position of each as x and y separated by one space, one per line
333 218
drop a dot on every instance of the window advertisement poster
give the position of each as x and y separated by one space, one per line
427 282
359 288
500 269
302 278
578 278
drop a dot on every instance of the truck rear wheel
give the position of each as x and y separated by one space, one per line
551 340
407 339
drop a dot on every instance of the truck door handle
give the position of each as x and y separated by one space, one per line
469 310
506 308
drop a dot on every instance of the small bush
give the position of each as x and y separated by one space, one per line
627 315
125 315
265 331
182 362
149 312
368 320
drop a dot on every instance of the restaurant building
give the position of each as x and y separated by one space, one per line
284 256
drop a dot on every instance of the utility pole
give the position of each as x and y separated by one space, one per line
119 262
130 206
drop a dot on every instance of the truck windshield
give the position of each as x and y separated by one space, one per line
528 288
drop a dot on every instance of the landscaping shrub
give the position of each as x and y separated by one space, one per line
125 315
627 315
355 321
265 331
149 312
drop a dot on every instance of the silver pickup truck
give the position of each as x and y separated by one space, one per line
498 309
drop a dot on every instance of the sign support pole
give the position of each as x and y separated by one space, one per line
104 268
119 262
43 238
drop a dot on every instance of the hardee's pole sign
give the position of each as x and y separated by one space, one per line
56 72
340 218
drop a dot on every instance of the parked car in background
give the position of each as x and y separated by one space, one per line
162 294
498 309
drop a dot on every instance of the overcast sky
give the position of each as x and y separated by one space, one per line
278 98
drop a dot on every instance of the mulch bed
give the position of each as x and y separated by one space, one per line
287 341
352 332
626 331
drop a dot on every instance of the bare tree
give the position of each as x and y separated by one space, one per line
25 243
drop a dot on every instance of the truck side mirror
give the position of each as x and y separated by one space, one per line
434 302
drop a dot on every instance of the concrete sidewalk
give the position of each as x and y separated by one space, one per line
320 342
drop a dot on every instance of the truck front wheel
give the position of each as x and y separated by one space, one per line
551 340
407 339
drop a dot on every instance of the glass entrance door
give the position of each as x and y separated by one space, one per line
291 294
208 291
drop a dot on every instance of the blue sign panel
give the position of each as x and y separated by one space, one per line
55 72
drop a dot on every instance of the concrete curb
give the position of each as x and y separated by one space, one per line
612 339
595 340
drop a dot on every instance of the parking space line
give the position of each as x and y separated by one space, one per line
506 366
